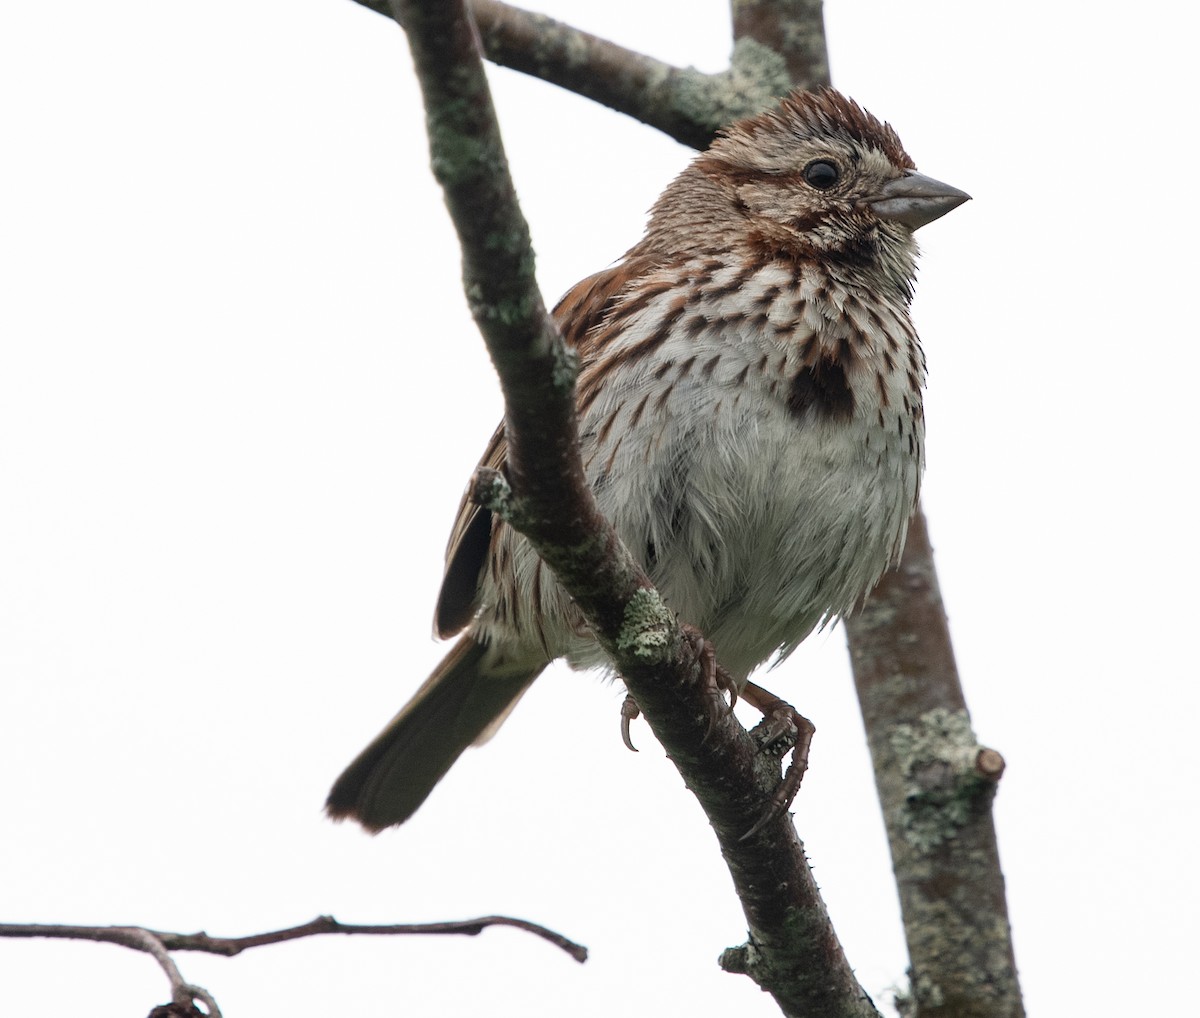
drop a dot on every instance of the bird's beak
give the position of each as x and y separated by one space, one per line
916 199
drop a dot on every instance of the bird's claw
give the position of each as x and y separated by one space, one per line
714 677
727 683
629 712
782 728
776 733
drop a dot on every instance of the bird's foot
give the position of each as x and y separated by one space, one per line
782 728
714 677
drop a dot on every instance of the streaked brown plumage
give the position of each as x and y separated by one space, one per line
751 420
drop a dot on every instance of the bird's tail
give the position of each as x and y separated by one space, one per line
462 702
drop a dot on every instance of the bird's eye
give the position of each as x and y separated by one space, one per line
822 174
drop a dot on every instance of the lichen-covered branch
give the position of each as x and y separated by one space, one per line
792 29
936 786
793 951
682 102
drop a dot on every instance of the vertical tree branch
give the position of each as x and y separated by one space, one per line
935 784
936 787
794 29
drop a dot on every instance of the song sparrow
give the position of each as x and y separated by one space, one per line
751 421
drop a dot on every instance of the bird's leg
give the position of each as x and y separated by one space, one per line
782 728
715 678
712 675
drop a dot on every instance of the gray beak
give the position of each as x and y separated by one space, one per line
916 199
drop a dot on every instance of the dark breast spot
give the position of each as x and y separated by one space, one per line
821 390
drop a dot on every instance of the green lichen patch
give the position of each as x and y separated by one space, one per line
566 367
646 628
936 759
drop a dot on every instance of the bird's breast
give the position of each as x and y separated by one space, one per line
761 452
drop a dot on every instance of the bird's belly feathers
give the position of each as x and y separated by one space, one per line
757 519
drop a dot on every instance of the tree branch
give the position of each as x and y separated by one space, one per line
230 946
936 786
793 951
682 102
159 944
183 994
792 29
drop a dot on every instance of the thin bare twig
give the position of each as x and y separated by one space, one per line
184 995
157 942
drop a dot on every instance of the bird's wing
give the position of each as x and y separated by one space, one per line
467 551
582 309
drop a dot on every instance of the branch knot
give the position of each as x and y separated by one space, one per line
491 490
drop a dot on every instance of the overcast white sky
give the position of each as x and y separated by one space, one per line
240 396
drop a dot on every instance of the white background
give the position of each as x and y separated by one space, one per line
240 396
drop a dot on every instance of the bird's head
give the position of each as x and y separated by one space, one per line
816 177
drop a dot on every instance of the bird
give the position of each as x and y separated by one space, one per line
750 404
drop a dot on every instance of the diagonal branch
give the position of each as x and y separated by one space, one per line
794 952
774 37
682 102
